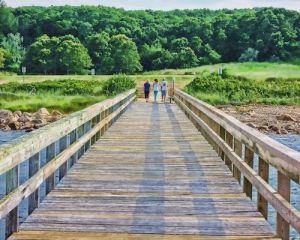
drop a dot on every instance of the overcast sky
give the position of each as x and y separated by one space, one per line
164 4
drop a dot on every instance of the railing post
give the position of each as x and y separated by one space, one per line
12 219
63 144
263 171
284 189
229 141
249 160
222 135
50 154
238 150
34 198
73 138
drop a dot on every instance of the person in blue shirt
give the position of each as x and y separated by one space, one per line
147 87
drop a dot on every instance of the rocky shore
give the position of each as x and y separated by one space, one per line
27 121
267 118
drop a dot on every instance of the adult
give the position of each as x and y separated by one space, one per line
164 90
155 89
147 87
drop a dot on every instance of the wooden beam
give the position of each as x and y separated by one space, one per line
16 152
14 198
283 207
249 160
12 217
262 203
283 158
284 189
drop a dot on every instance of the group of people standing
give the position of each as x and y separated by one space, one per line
163 86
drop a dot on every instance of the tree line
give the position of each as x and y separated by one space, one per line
61 40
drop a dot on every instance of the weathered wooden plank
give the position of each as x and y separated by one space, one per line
262 203
48 170
159 180
249 160
21 149
287 211
284 189
12 218
34 198
51 235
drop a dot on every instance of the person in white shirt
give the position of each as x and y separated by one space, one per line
155 89
164 90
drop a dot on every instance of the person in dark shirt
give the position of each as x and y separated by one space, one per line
147 87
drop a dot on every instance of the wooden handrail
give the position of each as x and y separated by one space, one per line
226 133
268 149
23 148
73 135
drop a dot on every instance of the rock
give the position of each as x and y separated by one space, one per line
288 127
39 121
18 113
263 128
14 125
252 114
251 125
29 130
283 131
274 128
55 115
43 111
285 117
26 114
24 119
5 114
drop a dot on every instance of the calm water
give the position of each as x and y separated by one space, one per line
292 141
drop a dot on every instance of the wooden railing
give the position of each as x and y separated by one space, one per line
49 152
237 144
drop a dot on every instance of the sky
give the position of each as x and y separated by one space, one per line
164 4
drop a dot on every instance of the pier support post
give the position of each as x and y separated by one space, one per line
50 154
284 189
12 219
262 203
34 198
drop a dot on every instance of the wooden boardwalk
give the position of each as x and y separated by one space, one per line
151 176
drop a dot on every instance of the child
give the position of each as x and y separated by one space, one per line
155 89
164 89
147 87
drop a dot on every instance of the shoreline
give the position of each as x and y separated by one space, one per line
24 121
276 119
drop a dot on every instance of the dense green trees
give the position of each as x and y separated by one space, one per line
2 57
14 51
123 56
58 55
154 39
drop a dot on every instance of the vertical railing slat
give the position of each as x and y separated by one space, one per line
34 198
238 150
284 189
229 141
50 154
12 219
249 155
263 171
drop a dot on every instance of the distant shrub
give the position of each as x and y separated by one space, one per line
118 84
250 55
63 87
238 90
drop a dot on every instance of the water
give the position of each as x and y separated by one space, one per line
292 141
9 136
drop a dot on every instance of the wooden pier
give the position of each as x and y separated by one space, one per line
151 175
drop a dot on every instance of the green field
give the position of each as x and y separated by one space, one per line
274 76
251 70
